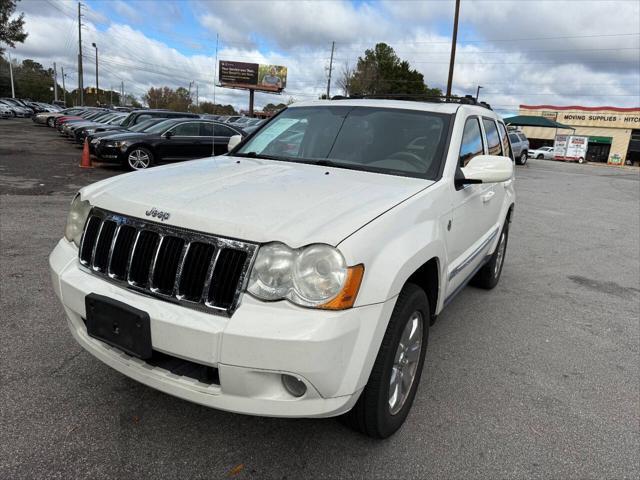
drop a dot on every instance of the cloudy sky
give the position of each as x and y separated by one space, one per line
573 52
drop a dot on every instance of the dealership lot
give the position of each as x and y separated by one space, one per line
537 378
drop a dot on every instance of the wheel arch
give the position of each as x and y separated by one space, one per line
427 277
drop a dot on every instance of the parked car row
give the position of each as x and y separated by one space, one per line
142 138
237 120
16 107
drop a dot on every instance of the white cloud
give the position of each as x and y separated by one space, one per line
520 52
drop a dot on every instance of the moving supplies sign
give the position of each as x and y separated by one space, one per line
269 78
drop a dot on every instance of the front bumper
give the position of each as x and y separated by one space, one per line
332 352
109 154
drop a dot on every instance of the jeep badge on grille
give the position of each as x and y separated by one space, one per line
154 212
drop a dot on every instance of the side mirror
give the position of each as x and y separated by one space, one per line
168 135
486 169
234 140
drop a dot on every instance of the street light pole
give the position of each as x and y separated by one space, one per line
13 89
97 86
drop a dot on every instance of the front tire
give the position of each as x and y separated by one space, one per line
581 160
489 275
139 158
540 157
386 400
50 122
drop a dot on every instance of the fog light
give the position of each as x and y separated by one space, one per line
294 385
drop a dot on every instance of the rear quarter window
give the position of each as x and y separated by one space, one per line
493 138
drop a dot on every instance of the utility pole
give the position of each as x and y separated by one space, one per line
55 82
97 85
197 96
478 92
111 96
454 40
80 80
13 89
215 74
121 93
64 89
333 46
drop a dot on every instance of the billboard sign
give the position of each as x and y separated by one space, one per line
268 78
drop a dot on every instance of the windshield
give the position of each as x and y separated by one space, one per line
384 140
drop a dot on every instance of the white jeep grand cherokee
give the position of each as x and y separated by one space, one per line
298 275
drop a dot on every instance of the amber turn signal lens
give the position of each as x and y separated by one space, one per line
347 296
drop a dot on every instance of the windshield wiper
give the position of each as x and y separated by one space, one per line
262 155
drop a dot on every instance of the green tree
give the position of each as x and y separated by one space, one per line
216 109
271 108
381 72
11 31
165 97
31 80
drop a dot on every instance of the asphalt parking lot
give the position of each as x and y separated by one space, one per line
539 378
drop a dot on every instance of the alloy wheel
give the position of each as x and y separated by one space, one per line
139 159
405 363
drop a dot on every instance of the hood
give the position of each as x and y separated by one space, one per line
257 200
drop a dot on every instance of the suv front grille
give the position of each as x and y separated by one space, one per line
191 268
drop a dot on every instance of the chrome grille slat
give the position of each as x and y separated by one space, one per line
144 253
113 244
209 277
95 245
183 257
153 263
133 249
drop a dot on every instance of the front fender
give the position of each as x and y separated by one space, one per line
396 244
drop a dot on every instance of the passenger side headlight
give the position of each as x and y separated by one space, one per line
312 276
76 219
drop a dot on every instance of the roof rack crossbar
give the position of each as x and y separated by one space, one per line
416 97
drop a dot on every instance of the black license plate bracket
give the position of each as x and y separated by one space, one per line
119 325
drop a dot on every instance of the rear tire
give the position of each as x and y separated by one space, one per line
489 275
386 400
522 159
50 122
581 160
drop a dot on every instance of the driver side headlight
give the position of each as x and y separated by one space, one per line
76 219
312 276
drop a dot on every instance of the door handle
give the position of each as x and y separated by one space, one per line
488 196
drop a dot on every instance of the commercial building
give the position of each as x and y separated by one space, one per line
614 132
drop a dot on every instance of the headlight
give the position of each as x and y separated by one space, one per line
117 144
75 221
313 276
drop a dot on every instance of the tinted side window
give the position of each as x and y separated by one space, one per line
514 138
206 129
522 138
222 131
140 118
471 141
191 129
505 141
493 139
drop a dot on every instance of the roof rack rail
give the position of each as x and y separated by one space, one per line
417 97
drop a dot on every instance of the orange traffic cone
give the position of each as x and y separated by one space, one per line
85 162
